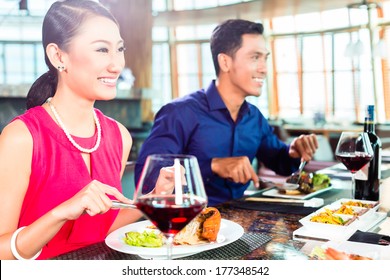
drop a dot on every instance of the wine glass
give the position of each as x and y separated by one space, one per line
354 151
170 192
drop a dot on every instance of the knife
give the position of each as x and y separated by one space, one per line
118 205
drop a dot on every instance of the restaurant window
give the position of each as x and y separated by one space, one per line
161 78
159 5
384 54
21 52
334 19
316 66
188 68
344 85
195 67
198 4
2 65
208 71
191 33
18 66
35 7
286 71
353 76
21 63
315 72
180 5
161 67
384 51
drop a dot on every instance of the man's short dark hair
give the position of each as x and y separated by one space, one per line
227 37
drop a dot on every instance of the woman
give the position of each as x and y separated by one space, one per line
62 161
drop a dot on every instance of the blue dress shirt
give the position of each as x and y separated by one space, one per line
199 124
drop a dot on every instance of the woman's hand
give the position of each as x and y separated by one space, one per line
93 199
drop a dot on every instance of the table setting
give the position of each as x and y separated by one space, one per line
348 224
228 233
260 225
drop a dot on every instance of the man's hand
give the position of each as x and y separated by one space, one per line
236 169
166 180
304 146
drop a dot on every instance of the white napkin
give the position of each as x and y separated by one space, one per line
385 227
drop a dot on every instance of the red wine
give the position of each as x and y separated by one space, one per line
367 180
168 217
354 161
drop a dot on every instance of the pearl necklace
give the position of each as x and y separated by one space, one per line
70 138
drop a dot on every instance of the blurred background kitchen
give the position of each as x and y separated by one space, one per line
329 59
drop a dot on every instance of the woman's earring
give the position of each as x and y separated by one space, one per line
61 68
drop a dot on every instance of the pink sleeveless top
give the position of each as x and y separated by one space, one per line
58 172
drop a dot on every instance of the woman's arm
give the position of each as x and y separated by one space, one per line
125 216
15 167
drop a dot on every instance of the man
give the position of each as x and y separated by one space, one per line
220 127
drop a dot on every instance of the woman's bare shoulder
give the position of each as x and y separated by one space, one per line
15 133
125 133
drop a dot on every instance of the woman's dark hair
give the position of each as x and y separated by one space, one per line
227 37
60 25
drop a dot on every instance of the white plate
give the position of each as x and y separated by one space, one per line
376 252
358 222
228 233
363 222
369 210
333 232
275 193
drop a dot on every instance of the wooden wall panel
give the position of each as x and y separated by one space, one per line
136 22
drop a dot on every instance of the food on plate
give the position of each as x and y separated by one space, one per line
203 228
358 203
328 217
320 181
144 239
305 183
319 253
350 210
344 209
308 183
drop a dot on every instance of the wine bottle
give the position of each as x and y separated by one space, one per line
368 180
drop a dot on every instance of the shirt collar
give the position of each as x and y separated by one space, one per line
216 103
213 98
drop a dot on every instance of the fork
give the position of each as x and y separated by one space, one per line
296 176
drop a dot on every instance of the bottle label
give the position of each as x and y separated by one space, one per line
362 174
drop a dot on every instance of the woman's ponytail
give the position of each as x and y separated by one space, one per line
43 88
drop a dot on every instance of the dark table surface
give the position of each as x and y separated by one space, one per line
260 229
266 226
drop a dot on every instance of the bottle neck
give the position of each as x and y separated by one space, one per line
369 120
369 126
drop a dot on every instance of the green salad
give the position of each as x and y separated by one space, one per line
320 181
143 239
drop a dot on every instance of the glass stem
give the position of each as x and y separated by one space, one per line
353 186
169 246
